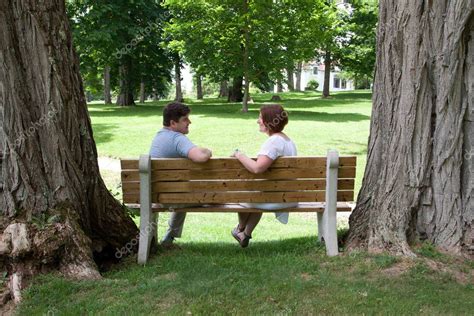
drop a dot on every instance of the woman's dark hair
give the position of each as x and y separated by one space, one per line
274 117
174 111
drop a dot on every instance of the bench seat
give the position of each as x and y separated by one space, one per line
303 207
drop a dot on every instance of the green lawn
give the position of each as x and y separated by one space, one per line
285 270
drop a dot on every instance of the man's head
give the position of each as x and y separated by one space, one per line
176 117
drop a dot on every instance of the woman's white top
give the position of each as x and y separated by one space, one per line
276 146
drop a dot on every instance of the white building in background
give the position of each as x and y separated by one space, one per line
315 71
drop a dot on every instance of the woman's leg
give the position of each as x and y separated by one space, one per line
243 219
252 222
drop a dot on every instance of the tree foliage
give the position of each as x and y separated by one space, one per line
118 33
357 55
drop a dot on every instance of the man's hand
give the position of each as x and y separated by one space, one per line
199 154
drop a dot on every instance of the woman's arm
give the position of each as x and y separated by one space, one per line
261 165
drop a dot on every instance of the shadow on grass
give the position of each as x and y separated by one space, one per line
103 133
220 108
257 248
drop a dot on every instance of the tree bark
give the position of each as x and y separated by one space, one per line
142 92
48 155
235 94
289 73
224 89
327 74
125 97
299 69
419 179
279 86
199 87
107 95
177 77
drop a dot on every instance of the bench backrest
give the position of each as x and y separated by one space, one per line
225 180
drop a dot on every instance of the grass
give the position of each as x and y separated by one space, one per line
290 276
285 270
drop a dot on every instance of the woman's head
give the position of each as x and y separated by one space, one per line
272 118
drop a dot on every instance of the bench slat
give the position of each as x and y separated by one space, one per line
237 197
221 174
232 163
232 208
238 185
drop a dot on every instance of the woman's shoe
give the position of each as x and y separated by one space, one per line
245 242
235 233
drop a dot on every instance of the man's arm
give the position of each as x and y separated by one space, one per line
199 154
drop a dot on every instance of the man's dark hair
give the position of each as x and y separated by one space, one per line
174 111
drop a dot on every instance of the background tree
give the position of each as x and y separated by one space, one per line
333 33
227 39
419 178
357 54
298 27
95 25
126 36
53 201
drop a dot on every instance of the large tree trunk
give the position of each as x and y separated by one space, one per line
327 74
58 211
177 79
107 95
142 92
299 69
419 179
125 97
235 93
199 94
289 73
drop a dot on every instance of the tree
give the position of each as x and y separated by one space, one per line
53 201
357 54
123 35
199 93
419 179
227 39
333 33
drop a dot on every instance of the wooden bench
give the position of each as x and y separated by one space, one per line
320 184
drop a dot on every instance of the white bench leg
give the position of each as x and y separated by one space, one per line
329 215
148 222
320 227
148 232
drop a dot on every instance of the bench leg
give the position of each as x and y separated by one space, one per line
330 231
329 215
147 218
148 235
320 227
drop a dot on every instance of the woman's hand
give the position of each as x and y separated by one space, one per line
236 153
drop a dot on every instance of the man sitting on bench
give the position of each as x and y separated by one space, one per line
171 142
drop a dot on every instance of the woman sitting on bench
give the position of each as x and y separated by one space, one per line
271 121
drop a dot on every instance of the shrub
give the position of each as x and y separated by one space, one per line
312 85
